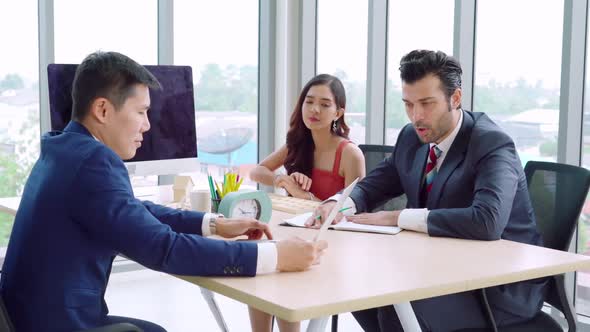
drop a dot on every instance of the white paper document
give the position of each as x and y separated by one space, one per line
299 221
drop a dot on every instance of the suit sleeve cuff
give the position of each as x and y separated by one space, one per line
414 219
267 258
348 203
205 230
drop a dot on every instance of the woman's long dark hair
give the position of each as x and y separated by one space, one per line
300 144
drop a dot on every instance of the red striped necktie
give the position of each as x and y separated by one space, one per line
431 167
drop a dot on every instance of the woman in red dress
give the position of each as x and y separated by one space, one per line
318 157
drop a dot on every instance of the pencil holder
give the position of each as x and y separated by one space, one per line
215 204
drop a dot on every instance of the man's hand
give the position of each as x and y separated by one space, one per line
381 218
303 180
323 211
232 227
296 254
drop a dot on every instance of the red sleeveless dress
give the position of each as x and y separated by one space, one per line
326 183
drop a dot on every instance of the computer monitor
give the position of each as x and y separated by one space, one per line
170 146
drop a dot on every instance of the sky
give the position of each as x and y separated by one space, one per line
511 41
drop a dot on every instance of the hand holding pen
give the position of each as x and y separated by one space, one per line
319 217
321 213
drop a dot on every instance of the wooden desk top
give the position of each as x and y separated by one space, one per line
361 271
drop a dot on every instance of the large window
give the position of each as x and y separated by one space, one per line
342 51
219 40
19 100
517 71
407 32
129 27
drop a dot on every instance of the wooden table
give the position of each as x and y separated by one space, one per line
361 271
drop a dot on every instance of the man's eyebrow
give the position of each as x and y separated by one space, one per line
426 99
419 100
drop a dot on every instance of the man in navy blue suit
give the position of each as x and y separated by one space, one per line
78 212
463 178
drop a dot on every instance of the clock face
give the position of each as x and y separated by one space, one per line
249 208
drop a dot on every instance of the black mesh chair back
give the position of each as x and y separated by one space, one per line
374 154
558 192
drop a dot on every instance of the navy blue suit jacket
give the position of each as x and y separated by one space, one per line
76 214
480 192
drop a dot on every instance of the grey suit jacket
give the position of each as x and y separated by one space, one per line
480 192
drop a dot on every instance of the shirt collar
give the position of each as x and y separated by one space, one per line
445 145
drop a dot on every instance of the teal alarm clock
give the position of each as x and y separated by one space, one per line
246 203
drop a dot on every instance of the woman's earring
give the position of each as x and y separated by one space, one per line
334 126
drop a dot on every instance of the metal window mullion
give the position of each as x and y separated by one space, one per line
571 101
165 51
376 72
266 77
308 27
165 32
46 56
464 46
295 55
286 67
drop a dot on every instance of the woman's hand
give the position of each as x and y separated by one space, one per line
291 186
303 180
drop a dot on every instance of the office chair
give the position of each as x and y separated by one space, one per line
374 154
558 193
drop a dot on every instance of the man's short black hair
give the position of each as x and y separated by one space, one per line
418 64
109 75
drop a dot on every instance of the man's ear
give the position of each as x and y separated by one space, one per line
456 98
99 110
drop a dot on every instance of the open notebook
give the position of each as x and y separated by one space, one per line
299 221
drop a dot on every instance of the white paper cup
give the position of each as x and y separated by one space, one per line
200 200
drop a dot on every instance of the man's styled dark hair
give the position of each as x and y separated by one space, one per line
109 75
418 64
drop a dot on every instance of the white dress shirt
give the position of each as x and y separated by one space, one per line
415 219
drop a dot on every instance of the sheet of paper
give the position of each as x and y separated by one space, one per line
345 225
350 226
298 220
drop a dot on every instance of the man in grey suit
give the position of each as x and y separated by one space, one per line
463 178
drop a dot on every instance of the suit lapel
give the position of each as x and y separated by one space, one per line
454 157
417 173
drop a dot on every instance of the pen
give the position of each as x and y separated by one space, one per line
341 210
